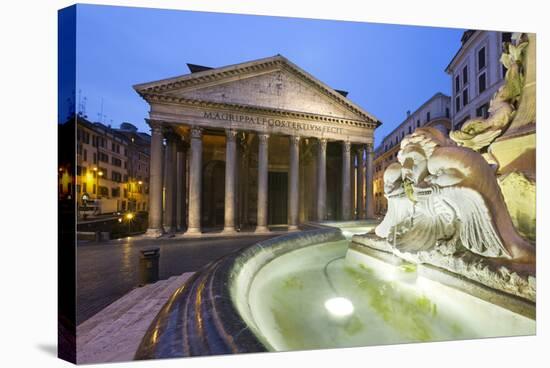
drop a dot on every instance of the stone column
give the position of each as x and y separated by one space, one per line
322 179
181 187
293 183
369 181
346 187
263 164
361 183
230 180
170 184
155 182
195 182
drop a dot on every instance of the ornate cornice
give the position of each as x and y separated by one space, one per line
165 99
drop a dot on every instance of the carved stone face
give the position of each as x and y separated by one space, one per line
414 164
392 178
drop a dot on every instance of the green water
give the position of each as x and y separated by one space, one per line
391 305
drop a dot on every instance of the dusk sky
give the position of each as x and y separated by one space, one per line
387 69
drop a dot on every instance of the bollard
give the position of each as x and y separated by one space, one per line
149 266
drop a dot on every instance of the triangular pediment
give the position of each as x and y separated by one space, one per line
272 83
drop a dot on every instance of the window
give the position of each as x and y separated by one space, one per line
481 58
84 189
116 176
116 161
465 75
465 97
93 189
104 191
481 82
125 193
410 129
77 188
447 113
95 158
428 116
483 111
85 155
103 157
115 192
457 105
457 84
79 170
418 123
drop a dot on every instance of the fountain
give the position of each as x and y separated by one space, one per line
454 257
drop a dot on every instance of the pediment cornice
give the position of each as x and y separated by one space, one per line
219 75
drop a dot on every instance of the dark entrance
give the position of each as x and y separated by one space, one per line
213 194
277 198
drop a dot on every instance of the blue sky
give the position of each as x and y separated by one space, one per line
387 69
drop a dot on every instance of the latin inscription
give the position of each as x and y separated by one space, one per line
272 122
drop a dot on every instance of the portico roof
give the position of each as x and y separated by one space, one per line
201 87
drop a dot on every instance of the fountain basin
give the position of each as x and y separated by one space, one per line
311 290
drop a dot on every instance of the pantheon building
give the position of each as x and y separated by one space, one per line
254 145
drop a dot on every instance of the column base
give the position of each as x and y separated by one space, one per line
262 230
193 231
292 227
229 230
153 233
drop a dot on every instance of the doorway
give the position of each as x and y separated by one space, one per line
277 198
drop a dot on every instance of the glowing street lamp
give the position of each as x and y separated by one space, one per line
129 217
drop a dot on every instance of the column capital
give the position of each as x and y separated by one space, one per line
323 143
263 137
231 134
196 132
156 126
294 139
369 147
347 146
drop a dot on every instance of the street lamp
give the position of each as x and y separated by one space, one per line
129 217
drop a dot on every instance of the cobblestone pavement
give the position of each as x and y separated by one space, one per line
107 271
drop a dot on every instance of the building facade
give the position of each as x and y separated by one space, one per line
255 144
435 113
137 145
104 165
476 74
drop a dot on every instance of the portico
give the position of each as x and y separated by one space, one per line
255 144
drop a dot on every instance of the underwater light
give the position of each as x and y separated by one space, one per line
339 306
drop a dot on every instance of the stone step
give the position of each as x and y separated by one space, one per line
118 332
103 319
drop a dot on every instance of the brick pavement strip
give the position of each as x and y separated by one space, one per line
114 334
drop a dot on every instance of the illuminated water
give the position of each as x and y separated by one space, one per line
378 304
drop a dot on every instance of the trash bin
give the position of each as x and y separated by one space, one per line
149 266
